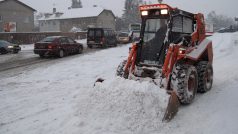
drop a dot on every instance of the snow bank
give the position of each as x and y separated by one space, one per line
122 106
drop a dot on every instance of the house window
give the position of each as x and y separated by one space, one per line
42 24
54 23
0 18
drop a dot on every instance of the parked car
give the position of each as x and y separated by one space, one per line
57 46
123 37
7 47
101 37
230 29
135 36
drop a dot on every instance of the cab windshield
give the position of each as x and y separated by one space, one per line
153 39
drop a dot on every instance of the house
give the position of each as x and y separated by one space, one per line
16 16
80 18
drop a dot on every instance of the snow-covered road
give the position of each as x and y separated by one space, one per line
60 98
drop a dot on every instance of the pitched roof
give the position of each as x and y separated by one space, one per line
21 3
76 13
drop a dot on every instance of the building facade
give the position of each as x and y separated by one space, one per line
16 16
80 18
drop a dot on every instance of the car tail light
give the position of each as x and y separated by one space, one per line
51 46
103 39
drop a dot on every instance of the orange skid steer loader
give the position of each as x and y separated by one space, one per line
173 52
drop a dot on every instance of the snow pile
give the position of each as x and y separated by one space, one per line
123 106
84 42
27 47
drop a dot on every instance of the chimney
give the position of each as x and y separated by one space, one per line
94 5
54 10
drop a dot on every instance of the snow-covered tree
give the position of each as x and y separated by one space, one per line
120 24
76 4
219 21
131 12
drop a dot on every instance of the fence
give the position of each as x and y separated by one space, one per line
29 38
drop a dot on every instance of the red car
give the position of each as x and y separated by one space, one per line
58 46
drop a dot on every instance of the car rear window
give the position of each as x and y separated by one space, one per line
98 33
48 39
95 32
91 33
123 35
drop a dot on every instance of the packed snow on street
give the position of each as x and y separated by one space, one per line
60 98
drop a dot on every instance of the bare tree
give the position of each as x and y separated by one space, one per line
219 21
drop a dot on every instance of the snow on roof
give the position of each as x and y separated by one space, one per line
18 1
75 13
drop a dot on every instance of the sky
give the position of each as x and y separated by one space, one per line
225 7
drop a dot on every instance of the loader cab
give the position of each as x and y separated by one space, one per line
161 26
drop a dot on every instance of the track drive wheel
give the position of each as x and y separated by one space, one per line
120 69
184 82
205 76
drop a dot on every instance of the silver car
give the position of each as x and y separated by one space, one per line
6 47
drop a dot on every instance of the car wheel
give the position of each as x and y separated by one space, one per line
61 53
115 45
3 51
42 55
80 50
104 45
205 76
184 82
90 46
15 51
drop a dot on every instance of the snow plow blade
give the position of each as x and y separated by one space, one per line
172 107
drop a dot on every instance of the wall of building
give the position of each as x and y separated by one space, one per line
82 23
49 26
106 20
33 37
11 11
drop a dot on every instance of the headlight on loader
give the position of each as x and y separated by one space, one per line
144 13
164 11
